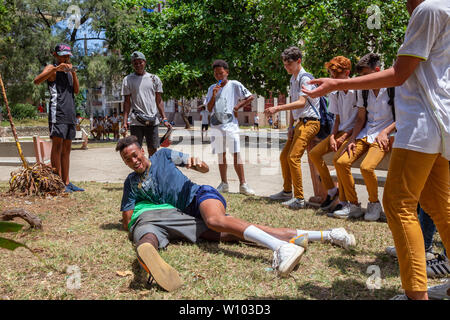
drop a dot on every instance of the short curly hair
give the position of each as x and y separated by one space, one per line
370 60
220 63
126 142
339 64
291 54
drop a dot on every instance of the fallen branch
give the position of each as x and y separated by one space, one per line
32 220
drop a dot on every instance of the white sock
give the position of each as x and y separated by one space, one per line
315 235
260 237
332 192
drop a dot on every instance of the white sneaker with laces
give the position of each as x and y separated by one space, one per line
341 237
281 195
349 210
294 203
286 257
440 292
245 189
223 187
373 212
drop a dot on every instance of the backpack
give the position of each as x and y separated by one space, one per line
391 102
326 118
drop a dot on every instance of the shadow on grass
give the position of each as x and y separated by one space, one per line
140 279
111 226
349 289
348 265
213 247
113 188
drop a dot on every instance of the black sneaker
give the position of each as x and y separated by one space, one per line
328 203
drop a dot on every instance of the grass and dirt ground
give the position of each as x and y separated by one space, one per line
84 230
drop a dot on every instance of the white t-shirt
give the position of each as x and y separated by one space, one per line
226 99
295 92
256 119
379 114
204 114
143 91
423 101
344 105
114 119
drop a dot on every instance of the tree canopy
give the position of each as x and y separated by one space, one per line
182 41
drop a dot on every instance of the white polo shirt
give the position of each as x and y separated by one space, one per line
295 92
344 105
423 101
379 114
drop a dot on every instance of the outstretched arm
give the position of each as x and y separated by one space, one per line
126 218
392 77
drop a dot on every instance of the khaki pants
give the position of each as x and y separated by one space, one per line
416 177
375 154
318 152
292 153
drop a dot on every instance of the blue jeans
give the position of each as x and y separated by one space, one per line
428 228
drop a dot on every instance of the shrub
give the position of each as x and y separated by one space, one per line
21 111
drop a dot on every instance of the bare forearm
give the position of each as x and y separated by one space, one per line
211 104
126 218
76 84
300 103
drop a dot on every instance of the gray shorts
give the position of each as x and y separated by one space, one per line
167 225
149 132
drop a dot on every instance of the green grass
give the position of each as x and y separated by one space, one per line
84 229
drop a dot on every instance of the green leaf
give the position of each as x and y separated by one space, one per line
9 226
10 244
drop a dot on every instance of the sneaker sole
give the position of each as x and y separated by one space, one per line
164 275
281 198
291 263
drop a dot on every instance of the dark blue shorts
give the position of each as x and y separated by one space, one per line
204 193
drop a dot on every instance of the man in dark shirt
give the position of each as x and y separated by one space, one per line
62 83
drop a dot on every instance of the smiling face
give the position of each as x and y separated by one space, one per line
292 67
139 66
134 157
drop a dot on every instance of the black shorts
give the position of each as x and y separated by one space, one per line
205 126
62 130
149 132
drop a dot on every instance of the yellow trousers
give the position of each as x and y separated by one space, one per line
375 154
316 156
416 177
290 157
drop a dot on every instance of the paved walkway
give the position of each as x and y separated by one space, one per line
262 168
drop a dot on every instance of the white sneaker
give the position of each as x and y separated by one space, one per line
440 292
286 257
294 203
373 212
438 267
281 195
341 237
349 210
245 189
223 187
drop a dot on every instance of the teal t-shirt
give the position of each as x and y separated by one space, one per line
144 206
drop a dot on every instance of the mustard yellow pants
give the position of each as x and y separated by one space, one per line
375 154
290 157
416 177
316 156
